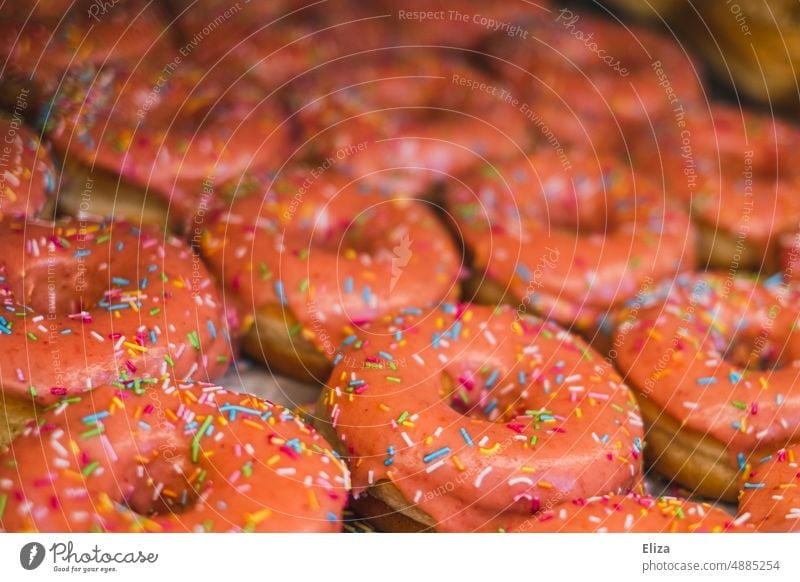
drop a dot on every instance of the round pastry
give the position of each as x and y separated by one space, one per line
596 66
770 495
176 458
38 10
735 170
469 418
88 303
713 368
631 514
570 237
412 118
37 53
27 174
309 256
149 144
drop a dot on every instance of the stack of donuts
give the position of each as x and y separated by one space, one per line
541 277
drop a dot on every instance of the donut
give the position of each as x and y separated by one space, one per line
713 363
734 169
38 10
27 174
470 418
37 53
86 304
571 237
175 458
413 118
631 513
600 68
770 495
309 256
156 141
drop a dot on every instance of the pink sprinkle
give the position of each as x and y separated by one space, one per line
130 366
58 391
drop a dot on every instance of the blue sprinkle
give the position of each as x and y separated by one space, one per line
212 329
144 425
741 460
280 292
436 454
706 381
366 294
734 377
348 285
489 407
349 340
466 437
754 485
492 380
94 417
386 356
120 281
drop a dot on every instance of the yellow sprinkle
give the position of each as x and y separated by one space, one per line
526 469
544 485
312 499
273 459
457 463
492 450
134 347
259 516
384 407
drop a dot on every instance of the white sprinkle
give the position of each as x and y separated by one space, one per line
406 438
742 518
436 465
481 475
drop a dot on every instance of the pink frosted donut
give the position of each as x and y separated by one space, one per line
597 66
571 237
44 49
736 171
171 134
714 362
27 174
177 458
87 304
469 418
310 256
770 496
414 120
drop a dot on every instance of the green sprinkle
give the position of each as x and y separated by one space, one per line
618 408
93 432
89 469
169 360
32 336
739 404
394 379
247 470
194 339
3 503
402 417
155 311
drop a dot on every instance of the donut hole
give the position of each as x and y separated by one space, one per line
56 286
161 486
756 351
476 395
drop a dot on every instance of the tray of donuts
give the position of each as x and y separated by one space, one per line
443 266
